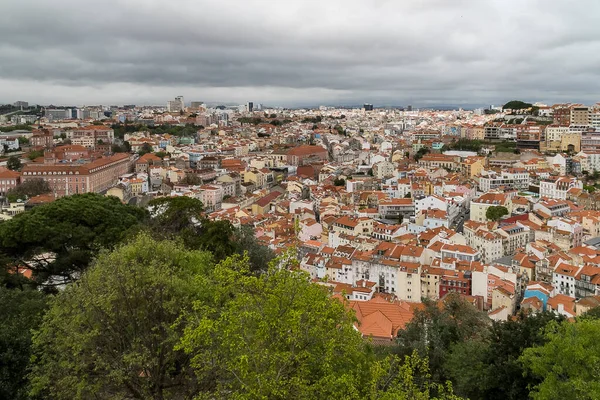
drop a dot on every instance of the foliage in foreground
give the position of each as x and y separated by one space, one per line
61 238
153 320
568 365
112 333
22 311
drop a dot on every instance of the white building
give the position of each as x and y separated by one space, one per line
176 105
556 188
436 202
514 178
563 279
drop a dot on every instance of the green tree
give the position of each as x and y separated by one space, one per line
216 237
495 213
145 149
245 242
113 334
339 182
182 217
568 363
14 163
23 140
278 337
516 105
28 189
35 154
433 331
176 215
421 152
489 368
61 238
22 311
191 179
592 313
123 148
408 379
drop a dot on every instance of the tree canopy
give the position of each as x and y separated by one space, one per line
14 163
182 217
154 320
113 334
567 364
60 239
489 368
22 311
28 189
437 327
495 213
516 105
339 182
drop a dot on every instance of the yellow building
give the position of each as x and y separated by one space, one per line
255 176
472 166
478 133
571 142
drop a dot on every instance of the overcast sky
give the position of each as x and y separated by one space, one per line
304 52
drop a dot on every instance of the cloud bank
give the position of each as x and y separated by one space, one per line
299 53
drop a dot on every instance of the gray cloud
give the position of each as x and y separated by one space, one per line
309 52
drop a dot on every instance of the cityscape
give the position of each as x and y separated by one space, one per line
322 200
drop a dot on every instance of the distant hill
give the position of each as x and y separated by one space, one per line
516 105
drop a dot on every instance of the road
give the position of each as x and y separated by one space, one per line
460 221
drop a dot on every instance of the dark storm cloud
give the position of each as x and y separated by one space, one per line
280 52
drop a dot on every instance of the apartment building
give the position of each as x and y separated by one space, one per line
514 237
94 176
8 180
488 243
551 208
460 252
394 208
383 169
434 202
353 226
433 161
557 188
566 233
455 282
92 135
302 154
480 205
580 116
529 135
510 179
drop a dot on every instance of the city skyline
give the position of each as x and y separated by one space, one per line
330 52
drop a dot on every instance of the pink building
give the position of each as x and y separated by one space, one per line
8 180
67 179
211 197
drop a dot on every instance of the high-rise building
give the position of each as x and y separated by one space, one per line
176 105
250 106
368 107
21 104
55 114
197 104
409 108
580 116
